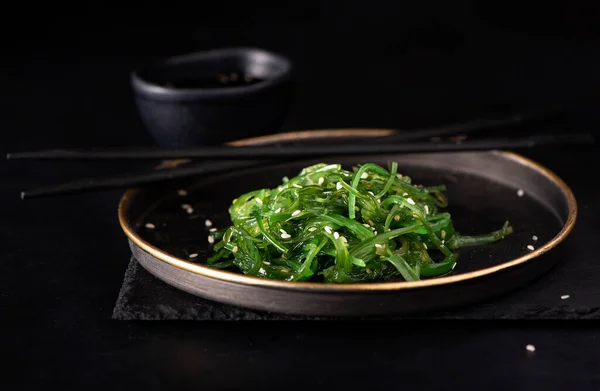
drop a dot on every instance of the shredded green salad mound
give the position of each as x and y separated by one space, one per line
337 226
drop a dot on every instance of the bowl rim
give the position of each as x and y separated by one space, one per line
240 278
148 89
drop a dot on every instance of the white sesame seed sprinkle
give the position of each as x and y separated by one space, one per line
234 249
336 235
194 255
286 236
344 239
266 262
182 192
338 186
374 232
208 223
520 192
212 230
404 194
530 247
397 217
426 209
443 241
320 181
259 201
367 225
297 185
364 175
211 239
530 348
296 212
311 229
564 297
443 234
150 226
370 192
425 246
378 245
453 266
283 231
278 210
327 229
186 206
534 238
410 201
189 210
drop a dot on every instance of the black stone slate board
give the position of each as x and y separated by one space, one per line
144 297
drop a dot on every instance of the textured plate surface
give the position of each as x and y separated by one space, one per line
482 193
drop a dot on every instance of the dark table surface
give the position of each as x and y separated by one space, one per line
64 258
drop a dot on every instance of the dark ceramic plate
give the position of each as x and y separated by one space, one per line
483 192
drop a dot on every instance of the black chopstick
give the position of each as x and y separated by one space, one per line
303 151
137 179
291 153
228 152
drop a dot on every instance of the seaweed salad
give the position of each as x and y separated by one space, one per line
337 226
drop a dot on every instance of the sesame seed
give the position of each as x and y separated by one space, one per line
530 247
425 246
189 210
194 255
208 223
338 186
426 209
321 180
397 217
278 210
311 229
182 192
211 239
364 175
370 192
443 234
367 225
443 241
286 236
150 226
453 266
344 239
297 185
336 235
296 213
266 262
404 194
327 229
212 230
259 201
530 348
186 206
378 245
283 231
410 201
564 297
234 249
520 192
534 238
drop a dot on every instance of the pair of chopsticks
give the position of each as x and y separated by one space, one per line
238 158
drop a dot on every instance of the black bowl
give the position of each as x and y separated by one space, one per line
214 96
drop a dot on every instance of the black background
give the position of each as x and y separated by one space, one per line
64 83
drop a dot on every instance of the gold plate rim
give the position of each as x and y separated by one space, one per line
358 287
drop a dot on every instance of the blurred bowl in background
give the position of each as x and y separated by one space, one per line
211 97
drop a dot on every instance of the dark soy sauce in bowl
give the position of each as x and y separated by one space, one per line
220 80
